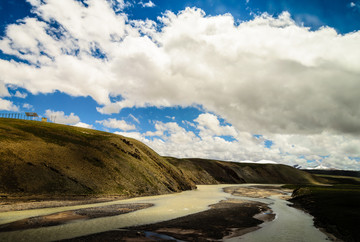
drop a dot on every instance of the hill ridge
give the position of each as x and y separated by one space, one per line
48 158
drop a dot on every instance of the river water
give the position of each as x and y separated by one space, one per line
290 224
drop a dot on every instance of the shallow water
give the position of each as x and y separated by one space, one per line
165 207
290 224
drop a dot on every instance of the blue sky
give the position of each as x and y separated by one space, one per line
233 80
339 14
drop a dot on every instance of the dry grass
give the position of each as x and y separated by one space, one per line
53 159
47 158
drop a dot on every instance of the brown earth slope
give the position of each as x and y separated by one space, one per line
47 158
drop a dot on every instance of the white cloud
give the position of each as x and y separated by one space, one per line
189 124
149 4
120 5
116 124
171 139
3 90
84 125
20 95
355 6
210 125
170 117
325 149
61 118
27 106
134 135
7 105
259 162
265 76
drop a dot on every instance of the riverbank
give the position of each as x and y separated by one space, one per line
224 220
72 216
18 203
336 208
230 217
205 214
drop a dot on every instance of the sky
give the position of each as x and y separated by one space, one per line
236 80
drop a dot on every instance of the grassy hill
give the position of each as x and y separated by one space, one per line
204 171
335 208
343 173
47 158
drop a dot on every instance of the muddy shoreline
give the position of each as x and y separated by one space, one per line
18 203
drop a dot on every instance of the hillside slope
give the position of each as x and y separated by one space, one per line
47 158
203 171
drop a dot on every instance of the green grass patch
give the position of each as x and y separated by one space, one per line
332 179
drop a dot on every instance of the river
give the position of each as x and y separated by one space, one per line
290 224
289 221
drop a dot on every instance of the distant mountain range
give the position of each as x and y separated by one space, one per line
320 167
258 162
48 158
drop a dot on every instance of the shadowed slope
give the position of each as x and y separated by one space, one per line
203 171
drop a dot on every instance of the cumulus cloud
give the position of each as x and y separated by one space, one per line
149 4
209 124
20 95
3 90
307 151
169 138
263 75
266 76
7 105
61 118
84 125
27 106
116 124
134 135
